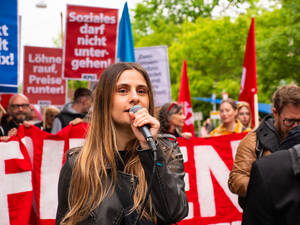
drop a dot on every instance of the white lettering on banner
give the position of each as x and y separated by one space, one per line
42 58
3 30
191 211
14 183
183 150
91 18
88 63
208 161
27 141
46 90
3 44
7 59
45 69
75 142
234 145
33 79
187 182
52 159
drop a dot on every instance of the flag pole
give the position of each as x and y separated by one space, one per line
256 115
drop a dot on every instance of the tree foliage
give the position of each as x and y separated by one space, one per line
149 13
214 48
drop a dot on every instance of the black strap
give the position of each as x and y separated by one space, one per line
259 150
295 156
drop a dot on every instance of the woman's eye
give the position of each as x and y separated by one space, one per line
142 91
122 90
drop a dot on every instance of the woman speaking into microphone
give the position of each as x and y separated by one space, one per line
117 177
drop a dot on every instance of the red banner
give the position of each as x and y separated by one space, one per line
15 183
208 162
43 83
185 99
90 42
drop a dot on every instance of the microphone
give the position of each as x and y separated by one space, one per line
148 136
144 129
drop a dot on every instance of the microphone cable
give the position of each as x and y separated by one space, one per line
154 150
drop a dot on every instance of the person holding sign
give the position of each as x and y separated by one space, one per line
19 111
72 110
108 180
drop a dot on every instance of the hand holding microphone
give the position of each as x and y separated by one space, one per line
145 126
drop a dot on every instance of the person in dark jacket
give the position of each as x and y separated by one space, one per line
171 118
273 195
18 111
106 181
72 110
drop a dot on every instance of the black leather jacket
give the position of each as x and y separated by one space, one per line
167 193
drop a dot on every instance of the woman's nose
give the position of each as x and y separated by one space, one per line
134 97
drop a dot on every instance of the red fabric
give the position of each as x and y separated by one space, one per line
4 99
45 162
248 82
15 183
208 162
185 99
42 78
92 29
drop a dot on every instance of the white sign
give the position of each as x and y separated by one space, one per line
155 61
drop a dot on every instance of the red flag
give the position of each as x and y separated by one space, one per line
248 92
185 99
4 100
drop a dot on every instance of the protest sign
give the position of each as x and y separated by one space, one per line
43 83
8 46
155 61
90 41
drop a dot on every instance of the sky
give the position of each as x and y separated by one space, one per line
40 26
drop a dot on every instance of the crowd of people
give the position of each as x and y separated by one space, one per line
95 177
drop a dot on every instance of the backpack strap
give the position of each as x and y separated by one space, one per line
295 156
259 150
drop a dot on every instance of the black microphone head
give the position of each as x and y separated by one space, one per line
135 108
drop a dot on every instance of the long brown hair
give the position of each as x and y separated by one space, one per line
165 113
90 184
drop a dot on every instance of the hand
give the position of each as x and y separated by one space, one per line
76 121
140 118
27 123
186 135
4 138
12 132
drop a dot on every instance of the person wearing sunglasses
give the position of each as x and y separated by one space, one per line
19 111
266 139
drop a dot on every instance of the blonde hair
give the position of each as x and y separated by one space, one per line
90 182
242 104
48 111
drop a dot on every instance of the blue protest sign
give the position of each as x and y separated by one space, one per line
8 46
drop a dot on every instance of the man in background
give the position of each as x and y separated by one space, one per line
273 195
18 111
72 110
266 139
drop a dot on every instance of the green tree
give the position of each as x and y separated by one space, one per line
149 13
214 50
